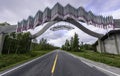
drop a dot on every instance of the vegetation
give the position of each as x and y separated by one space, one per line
113 60
17 43
18 48
4 24
43 45
84 47
86 51
72 45
10 60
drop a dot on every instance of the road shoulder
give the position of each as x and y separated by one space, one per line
101 66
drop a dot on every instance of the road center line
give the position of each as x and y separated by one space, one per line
54 64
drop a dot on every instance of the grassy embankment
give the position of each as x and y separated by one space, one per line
112 60
8 61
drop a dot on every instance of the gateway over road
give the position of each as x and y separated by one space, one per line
64 13
60 63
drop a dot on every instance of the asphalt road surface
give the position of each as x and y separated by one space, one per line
57 63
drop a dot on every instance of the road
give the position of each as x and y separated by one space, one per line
57 63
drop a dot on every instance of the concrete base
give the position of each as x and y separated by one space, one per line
109 45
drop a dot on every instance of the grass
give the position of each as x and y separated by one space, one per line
110 59
8 61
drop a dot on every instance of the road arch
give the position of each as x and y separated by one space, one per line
65 13
74 22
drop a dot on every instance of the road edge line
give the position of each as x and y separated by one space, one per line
90 64
24 64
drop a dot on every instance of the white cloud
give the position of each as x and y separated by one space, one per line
8 16
115 14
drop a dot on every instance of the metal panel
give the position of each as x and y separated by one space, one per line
81 13
38 18
30 22
94 19
46 15
111 20
98 20
70 11
107 20
89 16
24 24
57 11
101 20
19 27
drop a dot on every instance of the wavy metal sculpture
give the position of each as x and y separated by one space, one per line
69 14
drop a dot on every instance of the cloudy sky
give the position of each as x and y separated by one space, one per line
12 11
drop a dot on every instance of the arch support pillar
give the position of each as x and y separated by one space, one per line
101 45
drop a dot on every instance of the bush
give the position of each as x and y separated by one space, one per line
16 43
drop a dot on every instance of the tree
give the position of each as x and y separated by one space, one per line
19 39
63 47
6 44
25 43
43 45
71 43
76 43
17 43
67 45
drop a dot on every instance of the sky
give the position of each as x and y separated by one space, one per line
12 11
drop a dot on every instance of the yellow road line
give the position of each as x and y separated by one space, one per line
54 65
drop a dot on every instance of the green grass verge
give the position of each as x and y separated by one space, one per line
112 60
11 60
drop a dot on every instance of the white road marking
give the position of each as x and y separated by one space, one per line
101 68
23 64
92 64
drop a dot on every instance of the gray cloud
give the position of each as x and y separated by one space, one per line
13 11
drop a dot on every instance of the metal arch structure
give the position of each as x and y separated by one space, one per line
77 24
69 14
